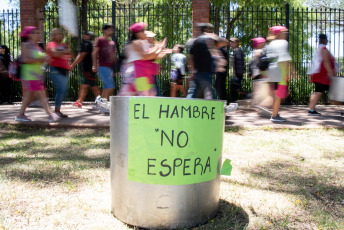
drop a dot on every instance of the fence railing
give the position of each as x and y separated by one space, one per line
175 23
305 25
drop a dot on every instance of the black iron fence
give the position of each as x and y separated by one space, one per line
304 25
175 22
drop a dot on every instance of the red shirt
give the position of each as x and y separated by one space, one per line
107 52
61 62
322 77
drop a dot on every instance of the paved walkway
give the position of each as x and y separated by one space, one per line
245 116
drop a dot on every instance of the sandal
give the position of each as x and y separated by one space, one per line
61 115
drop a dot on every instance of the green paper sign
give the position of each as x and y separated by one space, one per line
226 169
174 141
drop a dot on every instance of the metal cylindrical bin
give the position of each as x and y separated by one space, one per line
146 128
336 92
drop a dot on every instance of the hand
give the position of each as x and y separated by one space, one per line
46 59
71 68
94 69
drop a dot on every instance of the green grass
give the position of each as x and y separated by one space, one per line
281 179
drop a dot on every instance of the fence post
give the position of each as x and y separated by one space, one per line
287 12
114 20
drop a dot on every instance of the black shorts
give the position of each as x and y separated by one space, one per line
274 85
89 79
180 78
321 88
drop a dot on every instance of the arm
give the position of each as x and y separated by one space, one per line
78 59
152 53
94 59
191 65
55 53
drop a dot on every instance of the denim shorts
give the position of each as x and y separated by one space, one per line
106 76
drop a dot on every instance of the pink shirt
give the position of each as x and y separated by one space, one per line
61 62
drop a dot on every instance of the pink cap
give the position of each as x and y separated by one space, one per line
27 30
137 27
257 41
277 29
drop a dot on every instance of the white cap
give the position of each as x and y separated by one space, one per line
150 34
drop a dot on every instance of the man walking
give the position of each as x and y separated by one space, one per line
89 77
238 61
103 60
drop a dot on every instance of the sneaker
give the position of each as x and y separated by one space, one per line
103 103
53 117
231 107
277 119
77 104
103 110
313 113
97 99
22 118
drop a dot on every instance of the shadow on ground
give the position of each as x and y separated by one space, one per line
228 217
48 162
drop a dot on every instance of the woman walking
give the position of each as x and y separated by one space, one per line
278 72
32 75
59 66
323 68
139 69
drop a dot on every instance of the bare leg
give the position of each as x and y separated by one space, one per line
106 93
314 100
96 91
181 88
173 89
27 97
276 105
44 102
82 93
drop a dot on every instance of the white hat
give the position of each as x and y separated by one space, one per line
150 34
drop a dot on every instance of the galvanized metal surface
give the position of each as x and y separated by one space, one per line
336 92
154 206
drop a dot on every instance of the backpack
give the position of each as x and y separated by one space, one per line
264 61
14 70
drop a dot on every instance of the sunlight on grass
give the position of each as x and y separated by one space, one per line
281 179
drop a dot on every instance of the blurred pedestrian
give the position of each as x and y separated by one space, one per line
201 64
142 56
32 74
238 62
89 77
262 93
60 54
221 75
323 67
6 93
104 57
279 67
178 70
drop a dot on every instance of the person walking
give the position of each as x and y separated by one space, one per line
104 57
323 67
178 70
5 81
60 54
202 65
238 62
220 82
89 77
278 72
32 75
